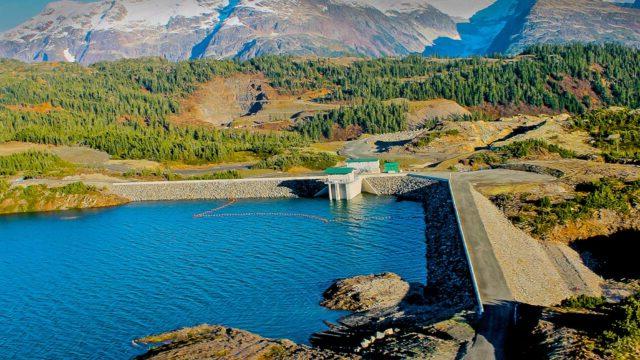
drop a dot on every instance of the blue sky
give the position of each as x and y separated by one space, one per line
14 12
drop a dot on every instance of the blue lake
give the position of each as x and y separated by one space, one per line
84 284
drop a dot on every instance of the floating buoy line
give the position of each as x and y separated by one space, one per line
215 213
212 211
267 214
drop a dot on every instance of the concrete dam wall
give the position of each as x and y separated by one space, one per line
220 189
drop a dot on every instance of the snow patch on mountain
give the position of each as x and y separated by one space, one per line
57 18
388 6
68 56
121 15
233 21
133 14
70 30
199 50
460 9
257 5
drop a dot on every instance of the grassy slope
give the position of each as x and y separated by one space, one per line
38 198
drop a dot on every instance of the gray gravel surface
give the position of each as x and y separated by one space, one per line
536 273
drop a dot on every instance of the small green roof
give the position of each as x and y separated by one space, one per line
391 166
362 160
338 171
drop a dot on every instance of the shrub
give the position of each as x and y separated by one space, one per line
40 197
622 339
31 162
229 174
619 336
474 116
4 187
502 200
171 176
584 302
545 202
543 215
615 131
428 138
522 149
313 161
76 188
489 158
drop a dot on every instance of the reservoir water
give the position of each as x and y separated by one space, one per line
84 284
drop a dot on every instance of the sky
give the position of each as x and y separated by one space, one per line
14 12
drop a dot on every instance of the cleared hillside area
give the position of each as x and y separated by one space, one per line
243 100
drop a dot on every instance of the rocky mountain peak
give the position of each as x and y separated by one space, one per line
180 29
75 31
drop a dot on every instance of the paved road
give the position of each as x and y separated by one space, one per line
496 297
357 149
377 145
498 302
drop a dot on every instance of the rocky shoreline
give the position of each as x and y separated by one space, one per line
219 342
399 323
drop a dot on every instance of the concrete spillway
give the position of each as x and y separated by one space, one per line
344 190
343 183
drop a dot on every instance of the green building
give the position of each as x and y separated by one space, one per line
338 171
392 168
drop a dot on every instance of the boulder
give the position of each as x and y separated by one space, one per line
367 292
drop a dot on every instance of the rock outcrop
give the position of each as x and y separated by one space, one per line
394 319
219 342
366 292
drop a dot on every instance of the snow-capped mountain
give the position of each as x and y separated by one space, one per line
323 27
70 30
105 30
181 29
